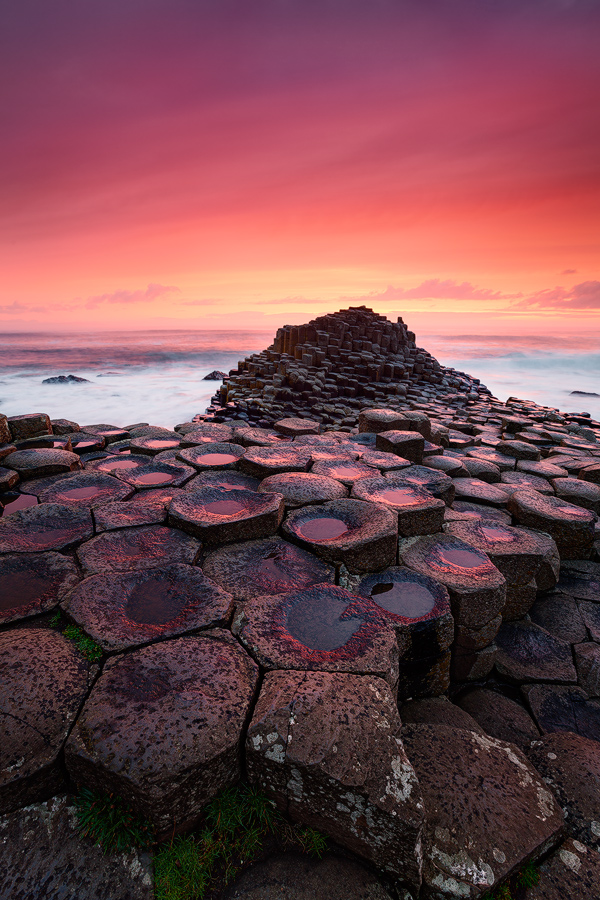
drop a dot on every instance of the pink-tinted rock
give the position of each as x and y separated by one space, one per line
33 583
218 515
28 426
51 526
571 527
212 456
407 444
295 427
39 463
88 489
260 462
303 488
133 549
417 510
528 653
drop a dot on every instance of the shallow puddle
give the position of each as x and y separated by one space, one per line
317 623
325 529
20 588
153 603
225 507
404 598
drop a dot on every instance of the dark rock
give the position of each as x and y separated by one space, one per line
571 527
8 479
206 434
66 379
417 510
28 426
260 462
64 426
582 585
162 727
348 472
44 681
560 616
500 717
296 427
223 478
215 375
528 653
580 493
154 475
572 872
587 661
133 549
488 811
83 443
88 489
218 515
563 708
438 711
112 516
476 491
407 444
303 488
51 526
33 584
437 483
5 435
38 463
151 444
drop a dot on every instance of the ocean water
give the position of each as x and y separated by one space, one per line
157 376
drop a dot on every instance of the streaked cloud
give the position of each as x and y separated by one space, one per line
584 296
125 298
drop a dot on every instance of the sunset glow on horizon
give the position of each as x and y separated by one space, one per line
232 165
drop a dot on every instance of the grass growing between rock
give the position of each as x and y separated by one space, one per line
110 823
86 645
516 888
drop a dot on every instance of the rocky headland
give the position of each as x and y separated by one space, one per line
358 582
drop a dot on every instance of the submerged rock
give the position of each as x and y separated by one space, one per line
65 379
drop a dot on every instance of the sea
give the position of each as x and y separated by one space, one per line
158 376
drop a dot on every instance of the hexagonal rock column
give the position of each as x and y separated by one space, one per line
477 593
418 608
163 725
33 583
29 425
260 462
296 427
212 456
562 707
303 488
264 568
516 552
488 810
347 472
223 478
417 510
528 653
44 680
326 748
137 548
155 474
123 610
571 527
153 444
38 463
436 482
322 627
206 434
572 871
51 526
219 516
361 535
407 444
580 493
478 491
90 489
375 421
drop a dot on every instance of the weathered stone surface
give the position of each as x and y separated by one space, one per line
347 472
438 711
258 437
28 426
223 478
563 708
437 483
38 463
407 444
570 765
112 516
518 450
34 583
587 661
51 526
265 567
43 856
560 616
206 434
83 443
322 627
303 488
326 748
591 473
571 527
155 475
580 493
573 871
206 456
449 465
152 444
5 435
590 614
543 469
8 479
504 463
163 725
477 491
417 510
13 501
500 717
361 535
137 548
88 489
374 421
44 680
528 482
580 584
122 610
385 462
528 653
466 509
260 462
218 515
487 810
296 427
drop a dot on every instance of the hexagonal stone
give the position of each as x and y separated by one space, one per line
580 493
559 615
33 583
122 610
504 463
407 444
571 527
111 433
570 765
116 515
260 462
385 462
417 510
264 568
155 474
13 501
163 726
326 748
44 681
578 582
207 434
212 456
303 488
518 450
528 653
43 855
29 425
137 548
83 443
8 479
587 661
152 444
528 482
438 711
543 469
88 489
361 535
51 526
437 483
500 717
295 427
480 511
482 469
591 473
258 437
449 465
477 491
321 627
218 515
477 589
375 421
223 478
38 463
345 471
488 810
563 708
573 871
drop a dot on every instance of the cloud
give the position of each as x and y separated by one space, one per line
582 296
433 289
18 308
568 271
152 292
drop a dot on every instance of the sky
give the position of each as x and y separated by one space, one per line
227 164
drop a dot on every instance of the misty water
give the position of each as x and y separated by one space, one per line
157 376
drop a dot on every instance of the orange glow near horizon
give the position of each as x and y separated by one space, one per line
218 166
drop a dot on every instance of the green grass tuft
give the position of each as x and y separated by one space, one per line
528 876
181 871
86 645
110 822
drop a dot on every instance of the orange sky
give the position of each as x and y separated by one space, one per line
226 164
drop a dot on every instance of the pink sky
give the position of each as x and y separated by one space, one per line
232 164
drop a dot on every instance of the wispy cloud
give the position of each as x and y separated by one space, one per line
584 296
124 297
434 289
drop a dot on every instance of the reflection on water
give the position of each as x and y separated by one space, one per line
317 623
323 529
404 598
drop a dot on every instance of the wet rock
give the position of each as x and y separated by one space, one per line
590 613
385 462
43 856
295 427
437 483
112 516
528 482
207 434
451 466
151 444
477 837
259 437
361 535
223 478
325 747
156 474
528 653
83 443
479 511
33 584
573 871
477 491
111 433
438 711
407 444
518 450
133 549
571 527
38 463
51 526
65 379
346 471
417 510
27 426
218 515
88 489
570 765
563 708
500 717
8 479
206 456
44 681
260 462
303 488
163 725
264 568
321 627
13 501
580 493
215 375
560 616
587 661
120 610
